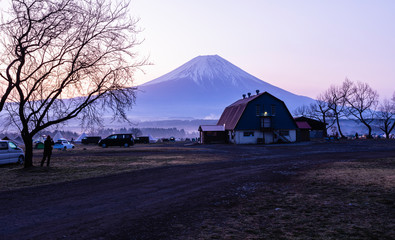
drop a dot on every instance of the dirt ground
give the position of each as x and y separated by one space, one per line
316 190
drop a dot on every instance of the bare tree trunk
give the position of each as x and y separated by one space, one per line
335 98
387 127
28 140
369 130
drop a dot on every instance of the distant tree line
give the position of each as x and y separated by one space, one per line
66 134
164 132
352 100
155 132
104 132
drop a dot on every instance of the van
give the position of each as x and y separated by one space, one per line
10 153
123 139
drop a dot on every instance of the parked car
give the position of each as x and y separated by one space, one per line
39 145
10 153
63 144
142 139
88 140
123 139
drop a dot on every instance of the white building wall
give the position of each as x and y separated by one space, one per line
269 137
241 139
292 136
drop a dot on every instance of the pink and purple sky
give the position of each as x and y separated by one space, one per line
302 46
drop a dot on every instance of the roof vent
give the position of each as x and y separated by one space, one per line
257 92
249 94
244 96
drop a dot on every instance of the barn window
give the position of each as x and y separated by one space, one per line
265 122
273 110
248 134
258 110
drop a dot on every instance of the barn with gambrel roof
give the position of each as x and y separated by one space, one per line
261 118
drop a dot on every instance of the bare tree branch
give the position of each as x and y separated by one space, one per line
361 104
335 97
66 59
386 116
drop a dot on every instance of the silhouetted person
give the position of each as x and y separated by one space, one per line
48 143
356 135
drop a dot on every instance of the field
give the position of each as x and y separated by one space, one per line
318 190
346 200
86 161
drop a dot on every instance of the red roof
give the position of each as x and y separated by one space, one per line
303 125
231 115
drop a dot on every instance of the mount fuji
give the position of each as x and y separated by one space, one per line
201 89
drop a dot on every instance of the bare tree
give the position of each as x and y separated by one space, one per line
53 51
320 111
302 111
361 104
136 132
335 97
386 115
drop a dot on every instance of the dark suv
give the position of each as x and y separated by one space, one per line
88 140
123 139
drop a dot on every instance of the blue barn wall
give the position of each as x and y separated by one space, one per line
282 119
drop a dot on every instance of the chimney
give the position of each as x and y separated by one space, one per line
249 94
257 92
244 96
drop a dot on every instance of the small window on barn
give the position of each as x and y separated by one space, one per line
258 110
265 122
273 110
284 133
248 134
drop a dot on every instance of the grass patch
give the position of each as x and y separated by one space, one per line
342 200
92 161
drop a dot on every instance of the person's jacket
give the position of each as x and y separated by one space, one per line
48 143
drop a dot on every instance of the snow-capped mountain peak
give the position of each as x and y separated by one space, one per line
207 70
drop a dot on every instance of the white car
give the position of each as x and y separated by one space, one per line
10 153
63 144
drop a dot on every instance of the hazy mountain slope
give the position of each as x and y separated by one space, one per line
202 87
